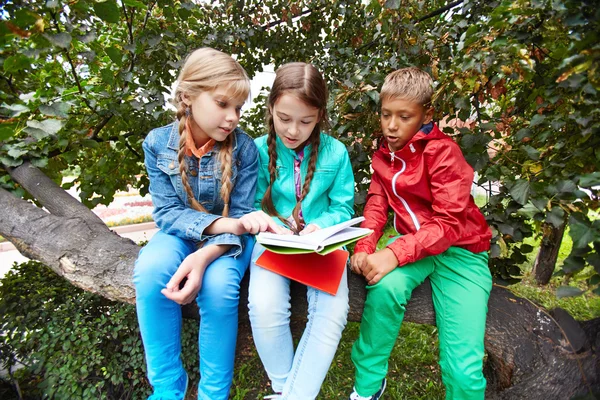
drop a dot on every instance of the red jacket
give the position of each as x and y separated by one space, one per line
427 184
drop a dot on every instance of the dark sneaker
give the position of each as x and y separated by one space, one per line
376 396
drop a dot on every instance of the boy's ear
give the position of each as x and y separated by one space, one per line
428 114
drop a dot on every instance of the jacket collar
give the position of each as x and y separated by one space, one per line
173 143
427 132
282 149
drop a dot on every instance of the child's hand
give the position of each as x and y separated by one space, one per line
191 268
310 228
259 221
378 265
357 262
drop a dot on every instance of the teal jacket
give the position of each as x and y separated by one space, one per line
330 199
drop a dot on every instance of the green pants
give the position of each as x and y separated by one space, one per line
461 285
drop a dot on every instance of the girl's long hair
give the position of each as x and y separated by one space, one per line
205 69
305 82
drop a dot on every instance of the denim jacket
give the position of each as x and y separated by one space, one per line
330 199
172 211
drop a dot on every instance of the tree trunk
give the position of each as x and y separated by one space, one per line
544 264
532 353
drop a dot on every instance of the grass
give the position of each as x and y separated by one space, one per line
413 367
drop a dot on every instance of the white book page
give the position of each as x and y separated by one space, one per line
315 239
346 234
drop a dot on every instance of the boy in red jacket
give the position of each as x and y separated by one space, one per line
421 174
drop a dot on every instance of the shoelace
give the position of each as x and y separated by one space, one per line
273 396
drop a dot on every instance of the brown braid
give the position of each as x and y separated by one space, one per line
315 140
267 201
225 157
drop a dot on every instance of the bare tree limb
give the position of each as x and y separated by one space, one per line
440 11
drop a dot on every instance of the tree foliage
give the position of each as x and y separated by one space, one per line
83 82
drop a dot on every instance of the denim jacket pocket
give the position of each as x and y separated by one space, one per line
170 166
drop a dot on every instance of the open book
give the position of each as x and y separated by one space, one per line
323 241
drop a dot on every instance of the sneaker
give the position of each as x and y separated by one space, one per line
273 396
376 396
171 394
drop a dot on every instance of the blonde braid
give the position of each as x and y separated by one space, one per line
225 157
183 132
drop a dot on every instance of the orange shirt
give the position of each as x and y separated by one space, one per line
198 152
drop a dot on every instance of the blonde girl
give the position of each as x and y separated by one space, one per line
202 172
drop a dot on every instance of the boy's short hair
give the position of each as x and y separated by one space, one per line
408 83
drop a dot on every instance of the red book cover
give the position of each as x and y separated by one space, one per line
311 269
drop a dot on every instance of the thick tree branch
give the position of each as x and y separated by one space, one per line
56 200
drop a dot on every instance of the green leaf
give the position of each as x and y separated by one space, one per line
537 119
115 55
10 162
392 4
7 131
108 11
41 129
568 291
374 95
62 40
590 180
15 63
16 152
134 3
581 233
573 264
532 153
17 109
556 217
40 162
58 109
520 191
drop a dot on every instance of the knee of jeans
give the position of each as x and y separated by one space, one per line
267 308
221 290
330 310
150 275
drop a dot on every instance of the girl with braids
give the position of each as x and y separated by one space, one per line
305 180
203 173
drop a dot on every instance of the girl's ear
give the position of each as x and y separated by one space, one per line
186 100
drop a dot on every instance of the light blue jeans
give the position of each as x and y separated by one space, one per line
300 375
160 318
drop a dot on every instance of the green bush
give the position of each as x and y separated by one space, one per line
73 344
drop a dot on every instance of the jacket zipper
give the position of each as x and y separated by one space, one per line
413 217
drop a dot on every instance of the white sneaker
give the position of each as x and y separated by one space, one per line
355 396
273 396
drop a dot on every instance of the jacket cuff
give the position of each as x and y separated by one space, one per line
364 247
226 239
401 255
196 230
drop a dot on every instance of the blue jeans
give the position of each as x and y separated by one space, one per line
160 318
299 375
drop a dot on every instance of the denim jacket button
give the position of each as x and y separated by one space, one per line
194 172
172 166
